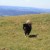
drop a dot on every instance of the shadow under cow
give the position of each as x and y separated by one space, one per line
32 36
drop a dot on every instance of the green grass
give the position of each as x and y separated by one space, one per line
12 36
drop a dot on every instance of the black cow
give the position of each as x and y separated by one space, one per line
27 28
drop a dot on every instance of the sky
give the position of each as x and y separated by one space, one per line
26 3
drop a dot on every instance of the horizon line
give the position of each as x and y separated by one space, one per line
24 6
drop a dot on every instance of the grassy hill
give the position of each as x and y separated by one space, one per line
12 36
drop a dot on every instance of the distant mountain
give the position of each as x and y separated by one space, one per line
14 10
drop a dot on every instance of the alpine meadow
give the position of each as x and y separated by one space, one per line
12 35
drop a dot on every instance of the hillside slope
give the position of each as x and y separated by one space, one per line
12 36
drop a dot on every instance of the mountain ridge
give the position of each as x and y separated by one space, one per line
16 10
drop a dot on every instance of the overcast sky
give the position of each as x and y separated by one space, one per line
26 3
